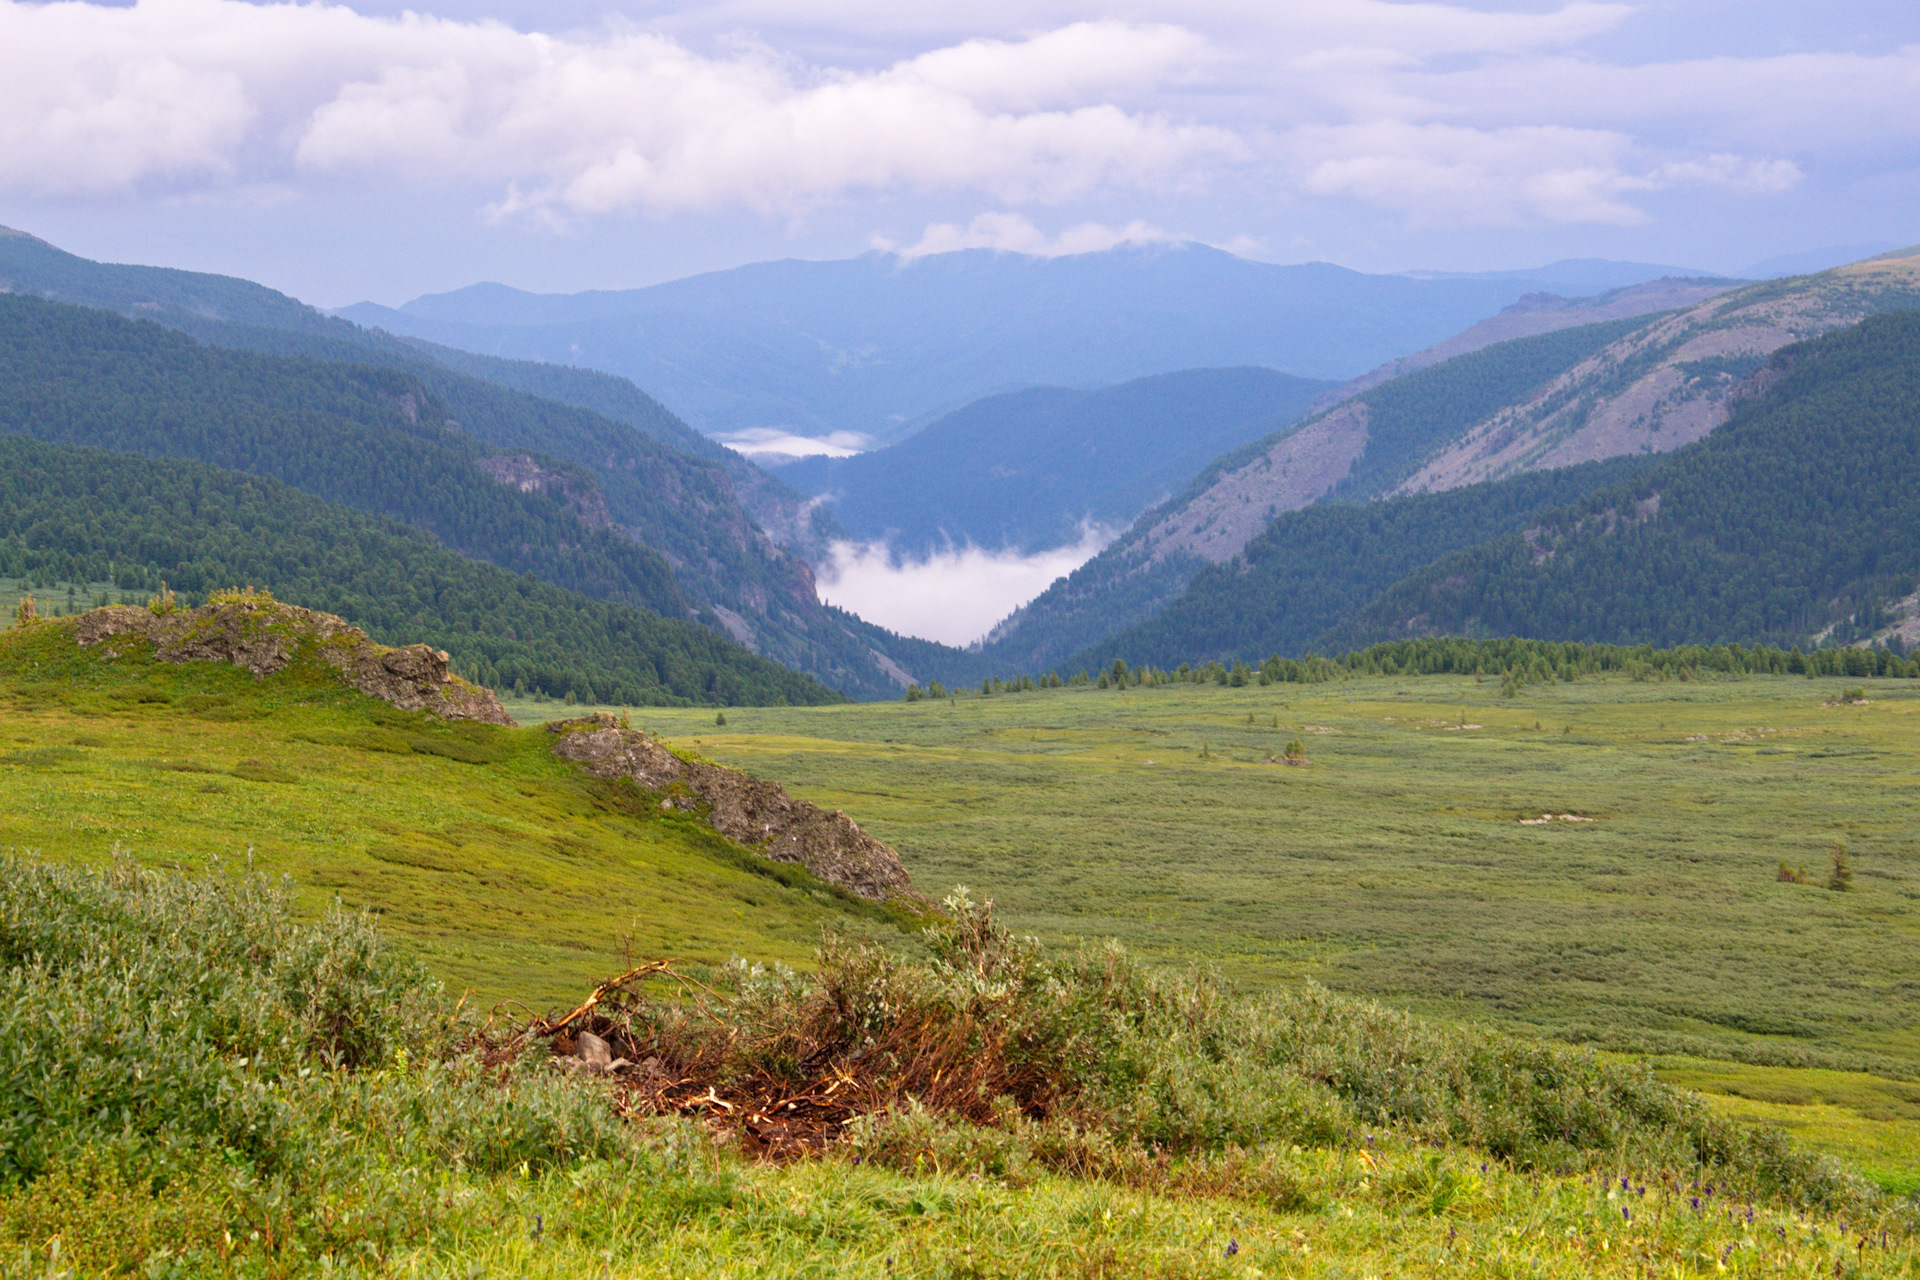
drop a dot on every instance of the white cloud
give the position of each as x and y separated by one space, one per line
1440 114
774 443
1447 174
1015 233
953 596
96 99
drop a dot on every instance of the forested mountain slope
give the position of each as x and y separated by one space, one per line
1667 385
228 312
76 514
1031 468
883 345
1637 384
1315 568
684 506
1797 520
1365 445
367 437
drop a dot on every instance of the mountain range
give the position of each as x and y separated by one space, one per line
879 346
1674 460
638 474
1634 384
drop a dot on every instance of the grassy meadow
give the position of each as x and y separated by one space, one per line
1400 862
506 869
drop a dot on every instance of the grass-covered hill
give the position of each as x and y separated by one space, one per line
76 515
723 524
1797 520
1031 468
203 1072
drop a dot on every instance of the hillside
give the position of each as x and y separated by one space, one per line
883 345
723 523
246 723
1315 568
1635 383
1030 469
78 515
1797 520
1358 447
1668 385
651 528
210 1069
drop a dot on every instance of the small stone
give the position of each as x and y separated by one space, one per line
593 1051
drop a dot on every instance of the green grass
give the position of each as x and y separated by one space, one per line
507 870
1396 864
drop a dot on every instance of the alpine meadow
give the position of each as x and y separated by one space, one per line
1458 814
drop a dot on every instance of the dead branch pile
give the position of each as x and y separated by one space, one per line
788 1060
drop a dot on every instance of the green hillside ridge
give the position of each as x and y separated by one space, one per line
1315 568
1657 383
702 505
508 869
370 438
70 514
1797 520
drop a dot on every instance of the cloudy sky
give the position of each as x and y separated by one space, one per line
372 151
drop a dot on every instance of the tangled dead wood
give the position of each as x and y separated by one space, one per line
788 1061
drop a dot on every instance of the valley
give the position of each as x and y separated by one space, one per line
1332 951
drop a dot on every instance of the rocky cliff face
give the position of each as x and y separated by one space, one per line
746 810
263 636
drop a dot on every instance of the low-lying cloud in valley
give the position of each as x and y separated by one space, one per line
953 596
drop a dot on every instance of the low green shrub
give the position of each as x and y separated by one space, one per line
170 1020
1075 1053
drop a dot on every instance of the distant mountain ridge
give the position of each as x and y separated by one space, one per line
1797 521
1031 469
1644 381
880 345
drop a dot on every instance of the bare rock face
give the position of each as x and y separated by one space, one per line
264 635
748 811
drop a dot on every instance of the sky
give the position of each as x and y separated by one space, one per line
378 152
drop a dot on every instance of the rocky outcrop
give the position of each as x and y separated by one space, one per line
746 810
523 472
264 636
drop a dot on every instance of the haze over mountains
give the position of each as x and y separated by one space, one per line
877 346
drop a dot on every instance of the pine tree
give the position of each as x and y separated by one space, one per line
1840 879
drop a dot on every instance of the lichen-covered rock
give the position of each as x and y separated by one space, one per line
746 810
263 635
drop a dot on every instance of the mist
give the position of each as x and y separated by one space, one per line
953 596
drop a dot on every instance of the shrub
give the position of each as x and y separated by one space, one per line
1840 874
173 1020
1088 1051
